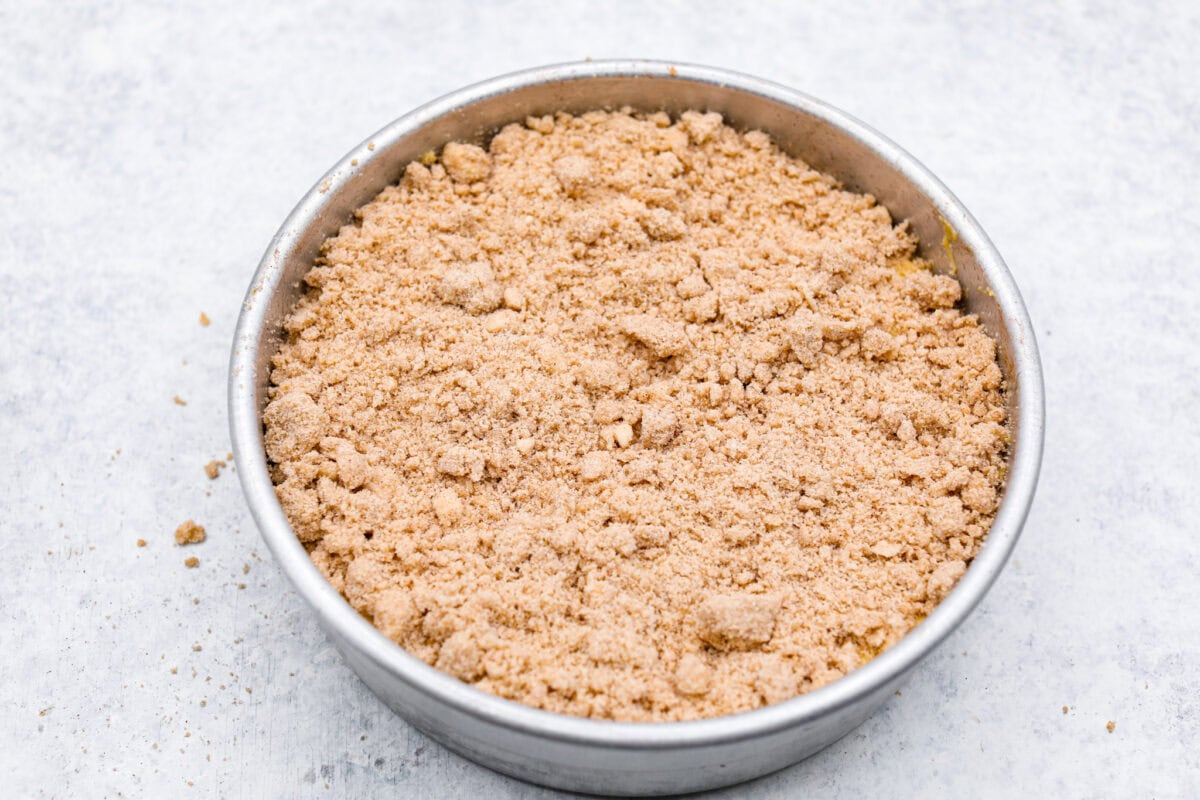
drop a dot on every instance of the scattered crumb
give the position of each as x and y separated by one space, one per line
213 468
1111 726
141 542
197 648
45 711
189 533
245 569
191 563
204 320
1065 709
179 401
241 586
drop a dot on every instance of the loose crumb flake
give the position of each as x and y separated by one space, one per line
189 533
191 562
179 401
1111 726
213 468
634 417
204 320
141 542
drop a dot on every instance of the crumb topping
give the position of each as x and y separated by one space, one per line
634 418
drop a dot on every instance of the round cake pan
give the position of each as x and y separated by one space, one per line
602 756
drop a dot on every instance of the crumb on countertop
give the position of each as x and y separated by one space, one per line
189 533
1111 726
192 562
213 468
179 401
141 542
204 320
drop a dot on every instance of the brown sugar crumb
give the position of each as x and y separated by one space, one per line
1111 726
204 320
1066 709
213 468
191 563
179 401
634 417
189 533
736 622
141 542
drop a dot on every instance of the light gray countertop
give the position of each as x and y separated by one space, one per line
149 153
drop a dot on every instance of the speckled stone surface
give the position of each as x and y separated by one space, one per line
150 151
